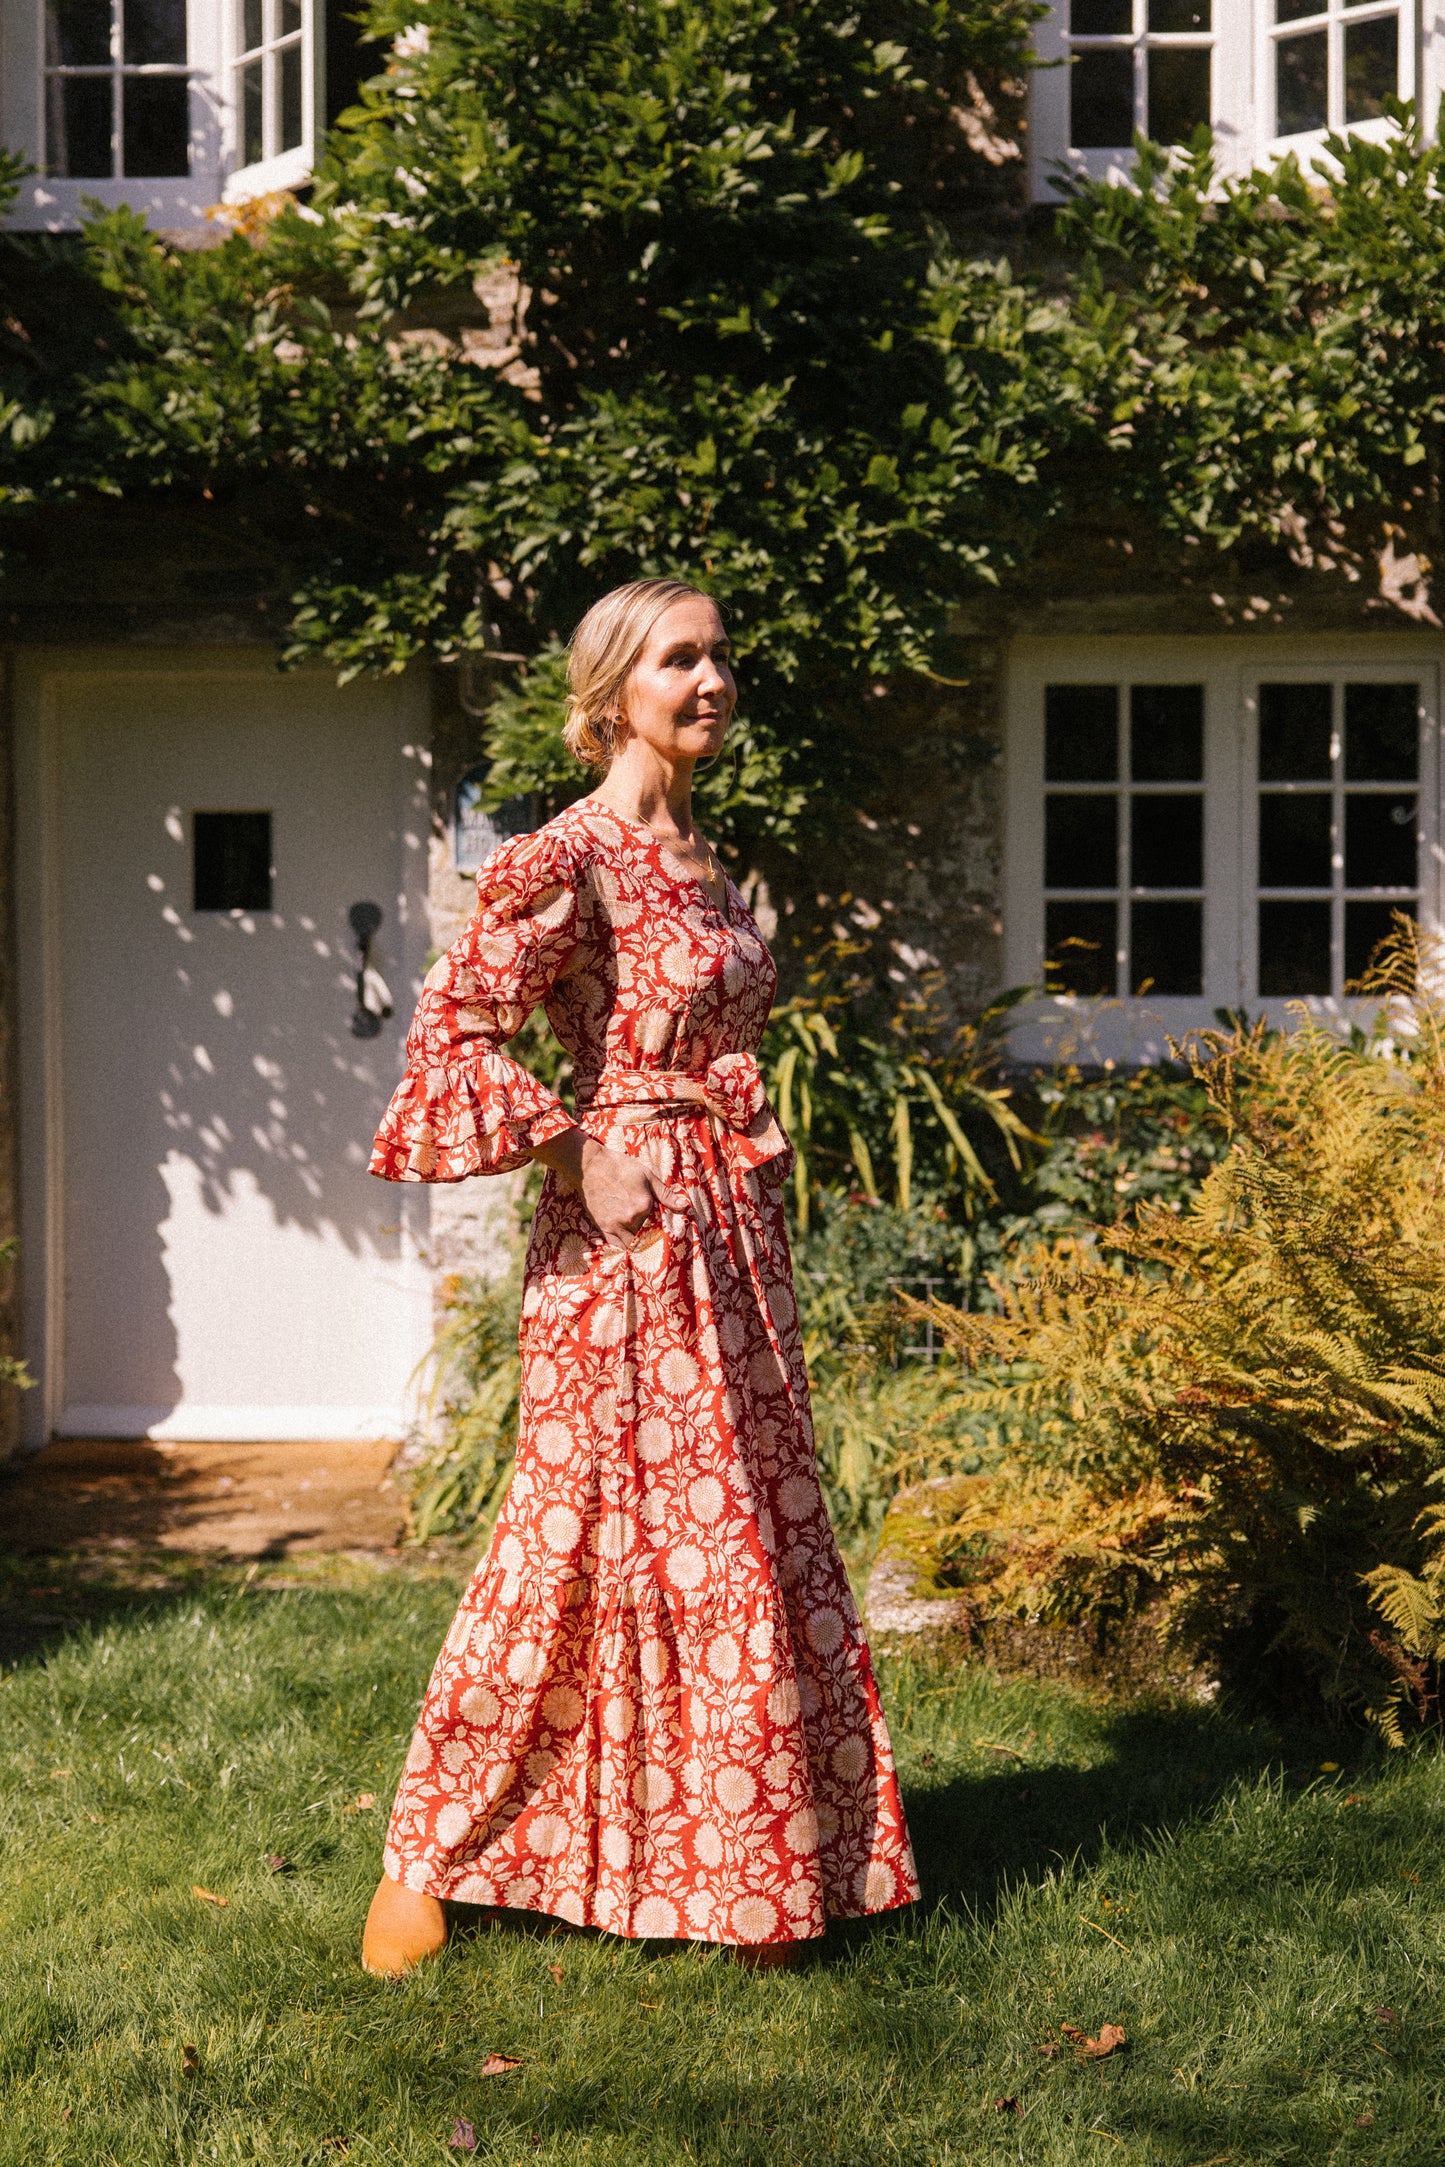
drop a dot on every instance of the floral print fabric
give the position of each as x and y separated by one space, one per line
654 1711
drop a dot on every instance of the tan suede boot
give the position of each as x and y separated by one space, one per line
402 1930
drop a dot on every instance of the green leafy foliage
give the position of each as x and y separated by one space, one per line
11 1371
1235 1410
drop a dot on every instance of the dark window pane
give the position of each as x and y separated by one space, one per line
77 34
155 32
155 125
1380 847
1081 733
1080 940
77 127
1294 733
1366 925
1300 82
1101 101
1101 18
288 18
1166 840
1166 733
289 64
232 861
1294 948
252 140
1178 92
251 30
1293 11
1294 842
1166 947
1372 67
1382 733
1177 15
1081 838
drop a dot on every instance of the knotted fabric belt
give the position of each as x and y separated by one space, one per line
729 1094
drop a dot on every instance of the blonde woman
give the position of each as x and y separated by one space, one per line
654 1712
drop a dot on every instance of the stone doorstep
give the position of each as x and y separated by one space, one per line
231 1500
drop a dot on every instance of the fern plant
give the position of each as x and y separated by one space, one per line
1238 1407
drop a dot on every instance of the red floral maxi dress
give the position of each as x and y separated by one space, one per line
654 1711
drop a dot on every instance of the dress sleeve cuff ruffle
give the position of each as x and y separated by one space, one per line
481 1115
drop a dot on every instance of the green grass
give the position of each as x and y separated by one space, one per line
1265 1920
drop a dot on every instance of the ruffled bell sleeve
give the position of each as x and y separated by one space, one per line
463 1107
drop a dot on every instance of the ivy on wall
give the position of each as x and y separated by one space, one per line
759 349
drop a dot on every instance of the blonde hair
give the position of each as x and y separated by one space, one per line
602 656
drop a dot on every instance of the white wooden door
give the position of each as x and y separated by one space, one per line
217 1262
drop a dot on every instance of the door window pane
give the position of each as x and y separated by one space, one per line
1382 733
155 33
1081 733
1101 100
1380 849
1166 947
156 125
251 25
78 120
1178 92
1294 733
1294 949
77 34
1294 841
1166 840
1366 925
1301 83
1101 18
1081 841
1294 11
1179 15
1079 942
252 109
231 863
1166 733
1372 66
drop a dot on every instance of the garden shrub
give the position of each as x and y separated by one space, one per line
1232 1412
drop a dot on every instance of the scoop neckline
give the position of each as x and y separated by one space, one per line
724 908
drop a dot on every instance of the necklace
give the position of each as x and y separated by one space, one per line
709 870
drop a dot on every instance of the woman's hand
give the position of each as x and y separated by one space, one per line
620 1193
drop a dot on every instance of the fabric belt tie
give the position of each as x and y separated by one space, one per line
729 1094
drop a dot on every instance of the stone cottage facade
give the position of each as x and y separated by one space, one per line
222 884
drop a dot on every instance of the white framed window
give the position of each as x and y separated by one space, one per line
1210 824
117 82
273 94
1141 67
1331 64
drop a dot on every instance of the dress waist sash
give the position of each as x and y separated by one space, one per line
729 1094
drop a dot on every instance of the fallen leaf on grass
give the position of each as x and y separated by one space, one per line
65 2114
1111 2038
501 2065
987 1746
556 1971
1329 1768
1363 2121
58 1774
208 1896
1007 2103
362 1803
1352 1798
190 2061
1384 2014
1049 2048
276 1864
463 2137
1406 1875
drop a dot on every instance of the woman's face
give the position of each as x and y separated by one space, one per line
680 696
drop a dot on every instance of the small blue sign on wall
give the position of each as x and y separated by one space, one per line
477 831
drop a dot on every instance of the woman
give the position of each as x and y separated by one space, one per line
654 1711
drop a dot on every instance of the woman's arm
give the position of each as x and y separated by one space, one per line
620 1193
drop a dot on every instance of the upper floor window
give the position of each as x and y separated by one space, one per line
117 89
1333 63
1139 67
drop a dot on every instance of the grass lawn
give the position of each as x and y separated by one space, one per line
1269 1934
